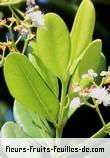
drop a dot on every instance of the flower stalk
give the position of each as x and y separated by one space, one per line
100 116
12 37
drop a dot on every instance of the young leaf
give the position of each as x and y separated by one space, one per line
54 45
92 59
28 88
76 63
12 130
82 30
50 79
34 125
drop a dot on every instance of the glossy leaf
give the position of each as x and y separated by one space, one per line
50 79
12 130
34 125
28 88
54 45
92 59
76 63
82 30
33 48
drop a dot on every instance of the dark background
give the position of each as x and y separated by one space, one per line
85 121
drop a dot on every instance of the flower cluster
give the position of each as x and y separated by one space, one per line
24 24
101 95
98 93
91 74
33 17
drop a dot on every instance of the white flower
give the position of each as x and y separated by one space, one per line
75 103
90 74
98 93
101 94
103 73
37 18
106 101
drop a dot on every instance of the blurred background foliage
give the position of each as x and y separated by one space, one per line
85 121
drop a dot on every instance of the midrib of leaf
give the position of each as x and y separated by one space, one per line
34 92
46 77
42 129
47 130
56 49
40 126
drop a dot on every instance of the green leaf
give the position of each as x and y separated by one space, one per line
33 48
76 63
12 130
10 2
54 45
102 63
28 88
34 125
82 30
92 59
48 77
102 132
92 56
